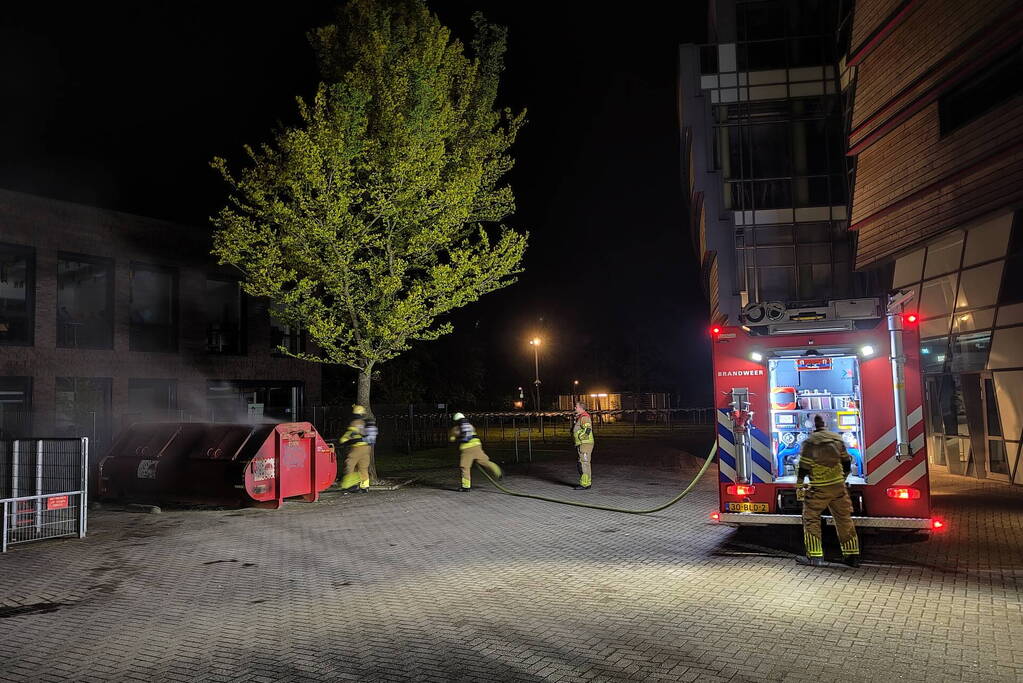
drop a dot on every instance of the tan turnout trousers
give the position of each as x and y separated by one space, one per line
467 456
836 498
585 451
357 467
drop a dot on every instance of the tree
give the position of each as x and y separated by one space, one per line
382 209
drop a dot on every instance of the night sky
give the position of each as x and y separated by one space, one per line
123 105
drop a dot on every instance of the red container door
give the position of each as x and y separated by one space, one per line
295 477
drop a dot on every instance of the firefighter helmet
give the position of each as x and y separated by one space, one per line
457 416
358 410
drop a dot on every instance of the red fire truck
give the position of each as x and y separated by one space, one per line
850 362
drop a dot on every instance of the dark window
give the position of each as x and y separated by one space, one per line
15 407
290 337
980 93
154 308
970 351
17 300
85 302
253 400
772 194
225 316
770 150
151 399
932 354
1011 291
994 425
760 20
83 409
708 59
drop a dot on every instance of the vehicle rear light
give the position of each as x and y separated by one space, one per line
740 490
902 493
715 516
715 330
937 524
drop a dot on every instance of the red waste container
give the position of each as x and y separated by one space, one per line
218 464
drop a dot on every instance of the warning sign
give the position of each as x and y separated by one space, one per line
56 503
813 363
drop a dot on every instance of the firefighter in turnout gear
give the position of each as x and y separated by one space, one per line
470 450
582 436
824 461
360 435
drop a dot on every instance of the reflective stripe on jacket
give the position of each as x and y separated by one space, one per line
822 455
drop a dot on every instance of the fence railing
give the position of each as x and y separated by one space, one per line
415 431
43 489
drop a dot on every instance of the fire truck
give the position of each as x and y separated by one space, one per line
851 362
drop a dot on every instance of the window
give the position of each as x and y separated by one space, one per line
152 399
154 308
224 308
944 256
999 82
281 334
970 351
938 297
17 287
979 286
83 408
932 354
85 302
15 407
253 400
1012 278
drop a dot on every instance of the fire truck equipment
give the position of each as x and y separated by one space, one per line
218 464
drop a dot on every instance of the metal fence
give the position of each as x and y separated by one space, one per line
43 489
414 431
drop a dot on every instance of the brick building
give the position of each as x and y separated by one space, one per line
108 318
936 131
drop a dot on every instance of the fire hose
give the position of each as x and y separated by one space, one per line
680 496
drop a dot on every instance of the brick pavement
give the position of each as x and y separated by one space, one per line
428 584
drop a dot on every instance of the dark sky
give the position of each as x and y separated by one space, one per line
122 106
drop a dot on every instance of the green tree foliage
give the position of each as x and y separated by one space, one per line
382 209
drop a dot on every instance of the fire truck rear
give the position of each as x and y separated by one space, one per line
851 363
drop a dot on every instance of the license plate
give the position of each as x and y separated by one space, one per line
748 507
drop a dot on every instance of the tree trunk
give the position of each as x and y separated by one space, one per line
362 398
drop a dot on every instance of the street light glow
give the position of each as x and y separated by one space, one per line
535 341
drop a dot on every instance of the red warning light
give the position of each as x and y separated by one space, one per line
715 330
937 524
740 490
715 516
912 317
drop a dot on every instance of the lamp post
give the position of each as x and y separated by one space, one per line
535 343
575 391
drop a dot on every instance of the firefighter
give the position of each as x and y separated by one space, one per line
825 463
470 450
357 439
582 436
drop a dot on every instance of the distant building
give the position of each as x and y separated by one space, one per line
937 136
616 401
108 318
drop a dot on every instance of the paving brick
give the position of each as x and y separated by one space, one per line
426 584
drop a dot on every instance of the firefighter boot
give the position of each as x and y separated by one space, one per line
466 486
810 561
584 483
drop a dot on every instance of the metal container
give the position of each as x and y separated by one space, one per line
218 464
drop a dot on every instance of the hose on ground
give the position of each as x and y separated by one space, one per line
683 494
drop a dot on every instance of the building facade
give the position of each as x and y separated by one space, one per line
936 133
763 154
108 318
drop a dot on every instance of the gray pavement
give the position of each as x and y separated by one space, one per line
428 584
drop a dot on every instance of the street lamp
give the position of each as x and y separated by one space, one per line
575 391
535 343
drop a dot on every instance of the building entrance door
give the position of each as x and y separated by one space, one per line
995 454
